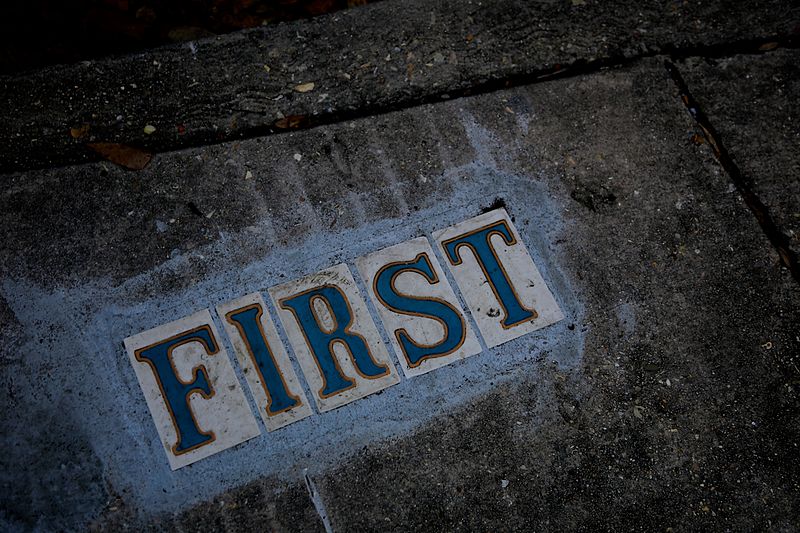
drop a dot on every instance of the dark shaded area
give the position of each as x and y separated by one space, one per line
678 411
243 85
743 184
497 204
47 32
752 101
50 480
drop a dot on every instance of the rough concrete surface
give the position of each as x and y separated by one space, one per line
753 103
666 400
243 84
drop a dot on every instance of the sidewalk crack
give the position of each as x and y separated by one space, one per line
316 499
743 183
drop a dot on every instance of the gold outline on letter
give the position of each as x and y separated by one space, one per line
458 261
195 371
250 353
347 331
430 281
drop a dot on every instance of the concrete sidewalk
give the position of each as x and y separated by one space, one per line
667 397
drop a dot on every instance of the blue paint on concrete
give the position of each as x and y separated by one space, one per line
83 328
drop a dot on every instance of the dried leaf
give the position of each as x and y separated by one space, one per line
291 122
123 155
697 139
80 131
768 46
304 87
188 33
149 129
319 7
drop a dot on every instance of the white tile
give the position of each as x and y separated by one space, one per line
500 283
334 376
422 343
265 364
210 416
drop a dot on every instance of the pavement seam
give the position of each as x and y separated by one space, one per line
316 499
578 67
743 183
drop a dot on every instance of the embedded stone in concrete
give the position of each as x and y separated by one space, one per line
333 337
500 282
264 361
191 389
427 327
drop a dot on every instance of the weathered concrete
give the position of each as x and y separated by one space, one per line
361 62
666 399
753 103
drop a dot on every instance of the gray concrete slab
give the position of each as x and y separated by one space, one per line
753 103
245 84
667 398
